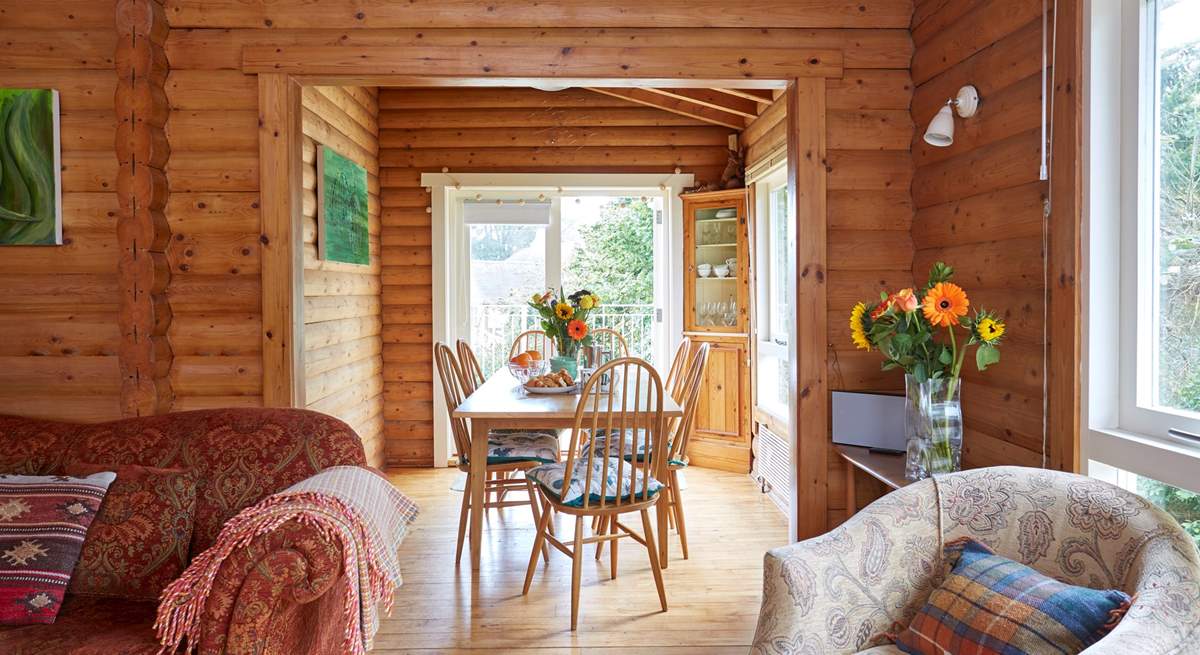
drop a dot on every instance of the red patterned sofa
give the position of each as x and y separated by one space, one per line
279 595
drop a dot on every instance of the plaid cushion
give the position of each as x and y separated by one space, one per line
991 605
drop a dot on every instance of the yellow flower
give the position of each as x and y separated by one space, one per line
564 311
536 299
587 302
989 329
857 333
595 300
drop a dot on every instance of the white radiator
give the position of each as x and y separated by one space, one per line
772 466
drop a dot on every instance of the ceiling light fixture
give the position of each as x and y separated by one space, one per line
941 129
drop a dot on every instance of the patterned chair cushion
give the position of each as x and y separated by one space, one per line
506 447
139 541
88 625
992 605
43 523
615 449
552 476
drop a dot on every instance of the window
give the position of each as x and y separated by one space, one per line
1143 303
775 245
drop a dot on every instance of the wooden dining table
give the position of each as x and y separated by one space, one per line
501 403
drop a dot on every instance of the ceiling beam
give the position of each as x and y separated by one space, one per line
759 96
712 99
545 62
675 105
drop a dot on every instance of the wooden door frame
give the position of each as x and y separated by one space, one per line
283 266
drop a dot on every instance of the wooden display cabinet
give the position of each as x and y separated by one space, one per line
716 311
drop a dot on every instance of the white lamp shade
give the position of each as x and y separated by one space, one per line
941 128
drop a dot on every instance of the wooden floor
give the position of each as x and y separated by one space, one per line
713 597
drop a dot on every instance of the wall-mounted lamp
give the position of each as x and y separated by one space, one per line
941 128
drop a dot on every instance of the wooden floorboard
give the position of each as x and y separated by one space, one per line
713 596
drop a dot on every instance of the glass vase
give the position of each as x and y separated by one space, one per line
933 426
566 358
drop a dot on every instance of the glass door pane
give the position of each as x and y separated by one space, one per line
507 266
716 242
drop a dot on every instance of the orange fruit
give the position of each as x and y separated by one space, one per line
522 359
534 355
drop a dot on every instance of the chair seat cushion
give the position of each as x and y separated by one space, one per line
615 448
605 472
88 625
525 446
991 604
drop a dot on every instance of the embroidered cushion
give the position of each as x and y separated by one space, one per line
992 605
43 523
552 476
615 449
139 540
523 446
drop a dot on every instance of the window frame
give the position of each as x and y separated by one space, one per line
766 343
1121 152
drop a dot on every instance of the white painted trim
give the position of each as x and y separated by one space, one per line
447 190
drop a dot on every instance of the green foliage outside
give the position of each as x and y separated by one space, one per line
28 198
496 243
1183 505
616 261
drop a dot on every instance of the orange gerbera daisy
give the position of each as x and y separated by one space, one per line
944 303
577 329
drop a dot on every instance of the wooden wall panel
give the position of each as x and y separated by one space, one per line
59 334
486 130
979 205
868 213
343 365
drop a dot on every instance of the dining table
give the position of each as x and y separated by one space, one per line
502 403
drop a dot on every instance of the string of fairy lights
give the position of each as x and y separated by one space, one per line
541 197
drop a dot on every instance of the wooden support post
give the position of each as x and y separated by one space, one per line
142 151
806 193
1063 252
279 143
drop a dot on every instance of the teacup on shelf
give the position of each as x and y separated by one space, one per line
722 271
704 270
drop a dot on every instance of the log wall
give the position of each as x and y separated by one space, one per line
59 330
979 205
869 213
505 131
343 368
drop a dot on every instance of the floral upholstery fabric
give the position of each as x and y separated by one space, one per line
838 593
139 541
609 480
522 446
616 449
276 597
88 625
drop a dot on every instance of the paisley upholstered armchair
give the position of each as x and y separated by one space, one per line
838 593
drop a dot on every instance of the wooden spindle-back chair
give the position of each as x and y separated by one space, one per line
681 432
450 374
678 365
533 340
472 373
610 340
634 406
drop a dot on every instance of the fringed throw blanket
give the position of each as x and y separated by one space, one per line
349 505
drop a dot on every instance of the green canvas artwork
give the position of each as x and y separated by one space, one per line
30 201
342 198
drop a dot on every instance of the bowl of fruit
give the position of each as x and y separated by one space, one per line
526 365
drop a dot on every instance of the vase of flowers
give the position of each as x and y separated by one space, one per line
928 335
564 320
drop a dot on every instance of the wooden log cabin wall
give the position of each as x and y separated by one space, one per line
475 130
869 212
979 205
894 205
343 364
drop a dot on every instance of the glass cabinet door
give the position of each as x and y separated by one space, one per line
717 269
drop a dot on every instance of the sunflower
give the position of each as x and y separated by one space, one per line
944 303
577 330
857 333
564 311
989 329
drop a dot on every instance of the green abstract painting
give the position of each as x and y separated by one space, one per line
30 201
342 199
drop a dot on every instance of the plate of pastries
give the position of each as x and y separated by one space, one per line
559 381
